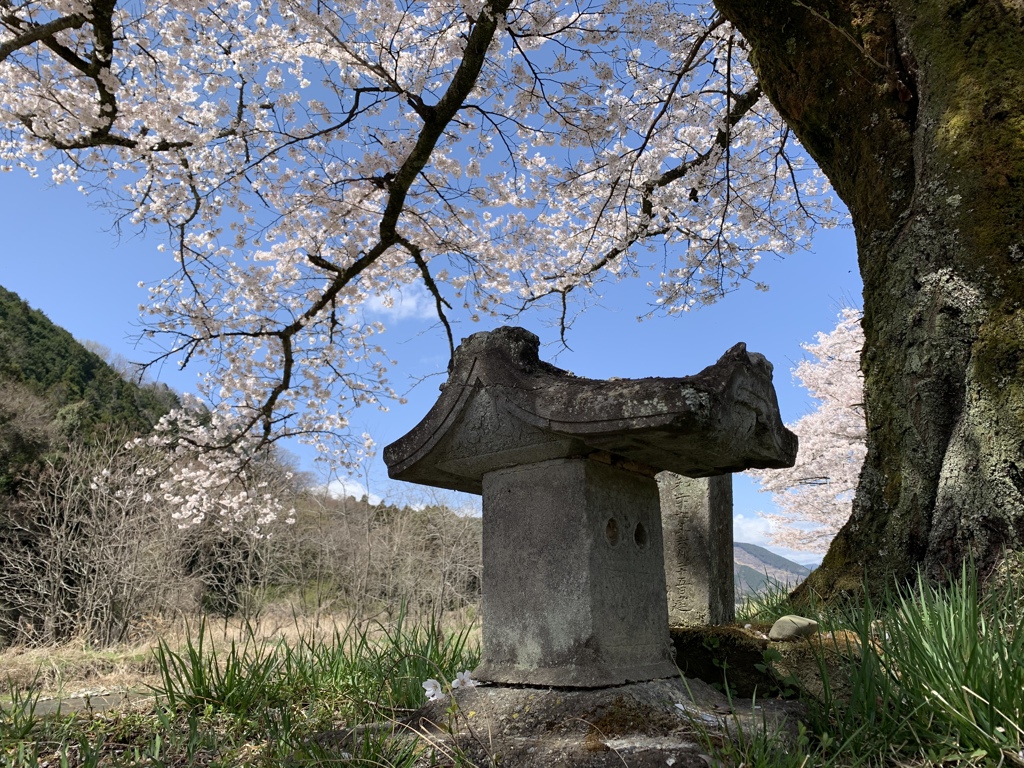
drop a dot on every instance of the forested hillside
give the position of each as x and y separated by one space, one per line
52 388
92 545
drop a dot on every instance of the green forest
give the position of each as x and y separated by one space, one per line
52 388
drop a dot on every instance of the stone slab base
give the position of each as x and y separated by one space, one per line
574 677
638 725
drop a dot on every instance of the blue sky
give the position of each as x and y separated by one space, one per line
62 256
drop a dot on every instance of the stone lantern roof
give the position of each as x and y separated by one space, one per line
502 406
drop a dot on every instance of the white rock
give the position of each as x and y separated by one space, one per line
792 627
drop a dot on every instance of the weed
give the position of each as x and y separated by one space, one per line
936 679
198 680
18 717
767 604
258 702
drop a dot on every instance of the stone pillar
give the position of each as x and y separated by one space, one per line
574 576
696 517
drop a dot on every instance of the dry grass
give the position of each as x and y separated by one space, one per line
72 669
75 668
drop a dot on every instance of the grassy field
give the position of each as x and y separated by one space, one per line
939 681
237 695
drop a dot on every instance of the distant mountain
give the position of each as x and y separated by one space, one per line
52 389
754 567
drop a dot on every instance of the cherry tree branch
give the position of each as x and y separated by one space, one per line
741 106
27 34
436 119
481 154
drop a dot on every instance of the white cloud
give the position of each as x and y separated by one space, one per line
349 486
751 530
410 302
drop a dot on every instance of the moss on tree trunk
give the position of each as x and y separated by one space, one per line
915 111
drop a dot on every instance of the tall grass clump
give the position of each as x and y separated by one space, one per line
276 699
936 677
957 660
199 679
413 653
18 716
940 676
259 701
374 666
378 668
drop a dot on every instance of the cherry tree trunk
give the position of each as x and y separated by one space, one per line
915 112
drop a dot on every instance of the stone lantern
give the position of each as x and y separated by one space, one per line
574 578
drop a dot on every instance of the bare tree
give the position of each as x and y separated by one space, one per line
86 547
348 554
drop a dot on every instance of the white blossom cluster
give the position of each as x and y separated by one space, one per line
435 691
815 496
212 470
306 157
128 481
184 470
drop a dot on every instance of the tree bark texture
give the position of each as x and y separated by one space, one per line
915 112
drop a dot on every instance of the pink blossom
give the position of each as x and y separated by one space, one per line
307 159
815 496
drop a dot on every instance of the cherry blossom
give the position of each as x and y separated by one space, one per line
464 680
815 496
305 159
202 479
433 690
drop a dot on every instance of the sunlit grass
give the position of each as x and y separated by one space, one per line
952 662
766 605
257 701
938 680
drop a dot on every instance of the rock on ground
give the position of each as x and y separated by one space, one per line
792 627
